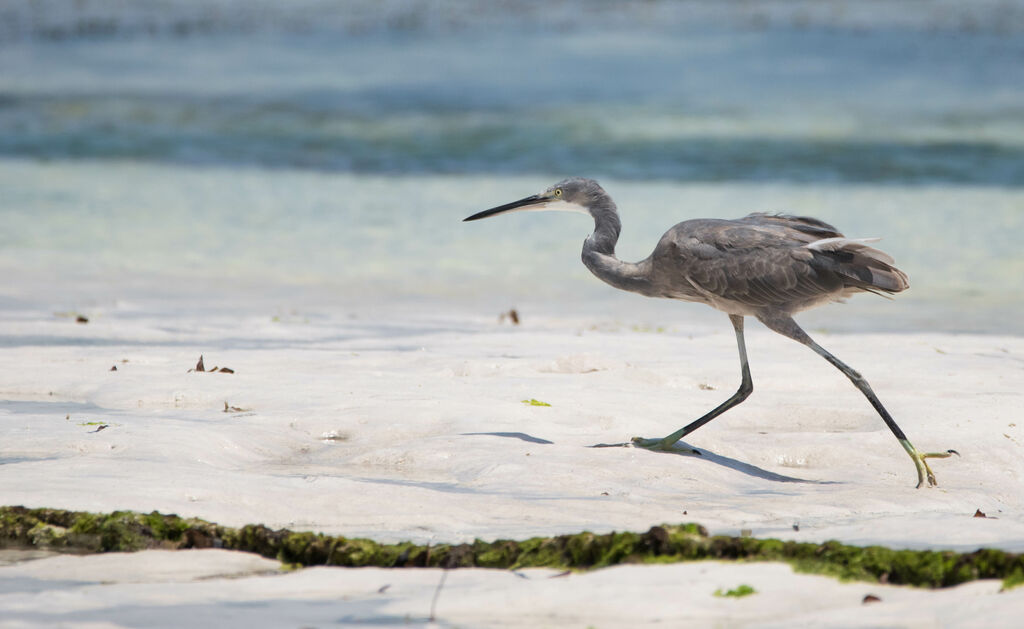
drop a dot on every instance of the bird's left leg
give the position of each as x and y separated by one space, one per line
746 386
786 326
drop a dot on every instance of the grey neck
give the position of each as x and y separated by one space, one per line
599 252
607 227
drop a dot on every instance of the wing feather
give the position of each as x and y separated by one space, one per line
769 261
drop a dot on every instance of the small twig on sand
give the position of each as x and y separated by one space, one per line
437 594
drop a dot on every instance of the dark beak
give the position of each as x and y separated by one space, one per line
508 207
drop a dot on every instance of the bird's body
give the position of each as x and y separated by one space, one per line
769 266
758 262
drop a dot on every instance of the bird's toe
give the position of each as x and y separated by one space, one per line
661 445
650 444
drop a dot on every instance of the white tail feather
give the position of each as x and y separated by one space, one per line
853 244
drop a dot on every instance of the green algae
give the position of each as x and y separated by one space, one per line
82 532
737 592
1014 580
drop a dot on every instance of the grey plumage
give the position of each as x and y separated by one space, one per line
742 266
769 266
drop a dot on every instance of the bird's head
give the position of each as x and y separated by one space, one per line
575 194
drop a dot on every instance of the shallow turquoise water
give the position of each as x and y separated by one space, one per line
333 164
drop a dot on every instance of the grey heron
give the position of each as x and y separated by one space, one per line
768 266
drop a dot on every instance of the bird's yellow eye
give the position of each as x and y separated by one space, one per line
558 192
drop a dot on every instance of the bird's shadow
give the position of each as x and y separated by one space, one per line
680 449
514 435
733 464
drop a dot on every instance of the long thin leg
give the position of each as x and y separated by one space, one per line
746 386
786 326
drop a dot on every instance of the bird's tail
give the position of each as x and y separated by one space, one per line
867 268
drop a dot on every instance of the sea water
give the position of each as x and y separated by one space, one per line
233 154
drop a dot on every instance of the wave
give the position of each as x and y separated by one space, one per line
314 133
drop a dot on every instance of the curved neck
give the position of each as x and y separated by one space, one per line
607 227
599 252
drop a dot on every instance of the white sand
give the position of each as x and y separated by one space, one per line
112 591
395 427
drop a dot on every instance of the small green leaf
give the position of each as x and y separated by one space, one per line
738 592
533 402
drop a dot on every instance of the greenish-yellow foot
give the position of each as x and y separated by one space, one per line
662 445
920 462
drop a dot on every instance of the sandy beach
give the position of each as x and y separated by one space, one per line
279 189
212 587
416 429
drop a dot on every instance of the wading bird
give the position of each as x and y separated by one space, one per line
763 265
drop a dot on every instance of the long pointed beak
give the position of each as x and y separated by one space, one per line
521 204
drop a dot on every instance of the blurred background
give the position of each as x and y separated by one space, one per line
259 155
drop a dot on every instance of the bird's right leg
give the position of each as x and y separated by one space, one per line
746 386
785 325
